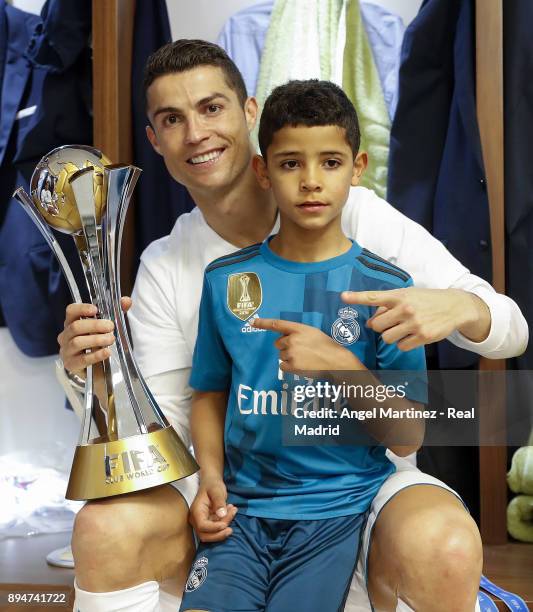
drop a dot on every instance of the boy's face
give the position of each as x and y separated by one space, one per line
310 171
200 128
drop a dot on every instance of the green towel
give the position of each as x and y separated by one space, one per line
520 518
301 43
520 476
361 83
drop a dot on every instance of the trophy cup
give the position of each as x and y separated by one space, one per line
126 444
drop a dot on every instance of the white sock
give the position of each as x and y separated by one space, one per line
141 598
168 602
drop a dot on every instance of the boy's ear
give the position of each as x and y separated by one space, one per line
250 112
150 134
261 171
359 165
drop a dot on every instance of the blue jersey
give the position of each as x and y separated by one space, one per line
264 477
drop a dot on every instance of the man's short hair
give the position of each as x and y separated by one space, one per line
185 54
310 103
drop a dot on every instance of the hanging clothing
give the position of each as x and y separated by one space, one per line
437 177
326 39
385 31
518 134
436 172
361 83
243 38
301 43
159 199
46 59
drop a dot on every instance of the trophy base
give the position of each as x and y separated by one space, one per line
130 464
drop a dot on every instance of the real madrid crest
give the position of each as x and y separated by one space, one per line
345 330
244 294
198 574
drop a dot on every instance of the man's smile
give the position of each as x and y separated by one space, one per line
206 158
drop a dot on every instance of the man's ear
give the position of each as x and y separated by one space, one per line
250 112
150 134
261 171
359 165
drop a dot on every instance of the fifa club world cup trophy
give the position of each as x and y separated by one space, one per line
126 444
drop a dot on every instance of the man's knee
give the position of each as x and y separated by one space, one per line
135 517
131 538
443 540
103 526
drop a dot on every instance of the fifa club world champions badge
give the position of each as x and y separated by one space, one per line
244 296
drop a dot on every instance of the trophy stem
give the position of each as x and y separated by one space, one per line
82 186
120 182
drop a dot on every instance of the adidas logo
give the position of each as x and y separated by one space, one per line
248 329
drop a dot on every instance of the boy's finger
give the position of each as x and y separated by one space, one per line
279 326
214 537
209 526
230 515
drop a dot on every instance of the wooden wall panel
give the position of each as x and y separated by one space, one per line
489 95
113 22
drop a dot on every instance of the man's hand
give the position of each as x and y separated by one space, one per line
210 516
413 317
82 332
303 348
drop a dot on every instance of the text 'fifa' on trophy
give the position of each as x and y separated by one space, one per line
126 444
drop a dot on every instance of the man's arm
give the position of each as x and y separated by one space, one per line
489 324
413 317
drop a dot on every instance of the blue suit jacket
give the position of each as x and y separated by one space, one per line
33 293
518 131
436 173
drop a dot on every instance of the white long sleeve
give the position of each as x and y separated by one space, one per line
173 394
379 227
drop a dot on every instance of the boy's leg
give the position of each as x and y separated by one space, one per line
315 564
125 543
232 575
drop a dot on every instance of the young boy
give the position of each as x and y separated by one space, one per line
294 541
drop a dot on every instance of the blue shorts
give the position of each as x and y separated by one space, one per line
277 565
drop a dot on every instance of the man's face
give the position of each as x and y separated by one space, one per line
310 171
200 129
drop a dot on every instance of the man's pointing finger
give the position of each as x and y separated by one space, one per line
370 298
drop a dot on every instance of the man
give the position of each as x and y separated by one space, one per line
200 121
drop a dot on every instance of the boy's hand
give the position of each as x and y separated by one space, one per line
210 516
413 316
303 348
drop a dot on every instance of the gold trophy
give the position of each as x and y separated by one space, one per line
126 445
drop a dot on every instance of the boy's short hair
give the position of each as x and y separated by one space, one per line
310 103
186 54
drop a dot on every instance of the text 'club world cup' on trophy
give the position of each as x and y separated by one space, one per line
126 444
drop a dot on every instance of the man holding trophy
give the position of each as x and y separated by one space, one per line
200 119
